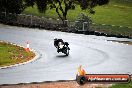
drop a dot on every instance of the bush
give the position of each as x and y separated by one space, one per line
83 20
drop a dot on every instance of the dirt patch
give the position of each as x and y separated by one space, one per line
68 84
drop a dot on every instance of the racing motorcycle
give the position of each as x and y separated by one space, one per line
63 47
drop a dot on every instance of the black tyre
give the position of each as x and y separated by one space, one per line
66 51
81 80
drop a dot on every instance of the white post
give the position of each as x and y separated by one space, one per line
50 20
76 21
31 19
66 22
58 21
4 14
84 25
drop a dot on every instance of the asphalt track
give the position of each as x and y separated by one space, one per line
94 53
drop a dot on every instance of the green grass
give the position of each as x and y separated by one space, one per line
110 14
11 54
116 30
119 15
129 85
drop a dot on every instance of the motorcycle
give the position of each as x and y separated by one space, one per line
63 47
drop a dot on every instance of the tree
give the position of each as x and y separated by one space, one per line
63 6
11 6
90 4
58 5
29 3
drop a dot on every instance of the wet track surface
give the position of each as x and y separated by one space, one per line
94 53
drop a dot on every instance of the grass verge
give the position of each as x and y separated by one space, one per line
12 54
112 30
129 85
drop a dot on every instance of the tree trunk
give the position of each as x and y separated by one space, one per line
65 19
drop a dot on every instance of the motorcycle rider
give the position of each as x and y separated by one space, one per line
57 42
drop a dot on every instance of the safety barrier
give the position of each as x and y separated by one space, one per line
29 20
57 25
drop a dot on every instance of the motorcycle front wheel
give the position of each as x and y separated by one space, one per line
66 51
